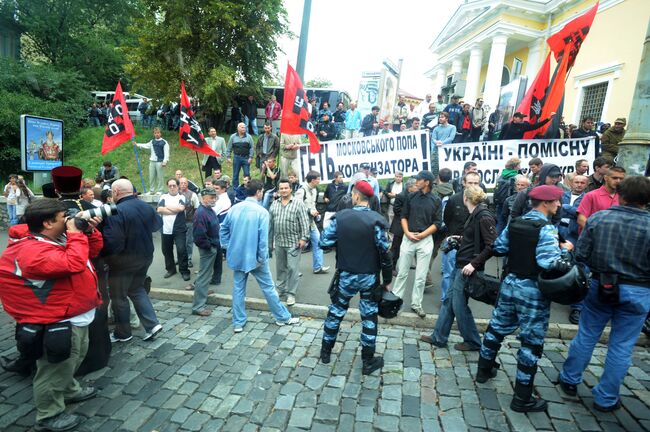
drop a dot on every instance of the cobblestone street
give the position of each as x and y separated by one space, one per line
198 375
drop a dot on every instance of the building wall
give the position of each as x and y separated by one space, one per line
616 37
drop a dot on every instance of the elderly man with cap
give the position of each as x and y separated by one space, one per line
612 137
206 238
517 127
531 244
421 217
359 235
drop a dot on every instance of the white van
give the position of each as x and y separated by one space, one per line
132 101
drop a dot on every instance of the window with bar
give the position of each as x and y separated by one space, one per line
593 101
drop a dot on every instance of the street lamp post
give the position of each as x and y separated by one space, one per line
302 46
634 150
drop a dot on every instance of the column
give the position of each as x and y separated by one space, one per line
456 65
441 75
473 74
533 62
495 71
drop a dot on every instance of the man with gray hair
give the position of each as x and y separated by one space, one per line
128 249
521 183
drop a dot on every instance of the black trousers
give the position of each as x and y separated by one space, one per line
168 242
211 165
218 265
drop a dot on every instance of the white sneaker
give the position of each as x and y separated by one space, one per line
290 321
238 329
154 331
291 300
115 339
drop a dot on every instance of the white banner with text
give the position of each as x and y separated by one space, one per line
491 156
407 152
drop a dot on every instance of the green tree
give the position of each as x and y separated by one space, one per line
319 83
77 35
217 46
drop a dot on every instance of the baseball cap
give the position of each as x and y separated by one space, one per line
519 114
425 175
208 191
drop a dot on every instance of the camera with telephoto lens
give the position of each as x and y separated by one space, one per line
81 220
451 244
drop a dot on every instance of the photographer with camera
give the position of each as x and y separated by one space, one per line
473 250
49 286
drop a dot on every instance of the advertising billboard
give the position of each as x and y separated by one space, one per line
41 143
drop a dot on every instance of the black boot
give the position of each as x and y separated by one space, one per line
370 362
326 351
21 366
487 369
523 401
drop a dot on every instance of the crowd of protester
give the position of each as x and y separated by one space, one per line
411 222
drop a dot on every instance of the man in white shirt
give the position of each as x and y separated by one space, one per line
423 107
159 159
218 144
172 208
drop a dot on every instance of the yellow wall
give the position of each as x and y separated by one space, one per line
617 36
521 54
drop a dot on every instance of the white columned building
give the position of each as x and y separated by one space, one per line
535 50
473 74
495 70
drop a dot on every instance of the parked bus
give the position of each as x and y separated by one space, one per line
332 96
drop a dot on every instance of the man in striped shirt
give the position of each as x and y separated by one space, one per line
289 232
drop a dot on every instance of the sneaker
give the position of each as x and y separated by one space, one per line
58 423
607 409
120 339
418 310
567 389
238 329
463 346
152 334
574 316
432 341
291 300
85 394
290 321
322 270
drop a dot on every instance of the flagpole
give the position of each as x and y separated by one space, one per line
199 164
137 159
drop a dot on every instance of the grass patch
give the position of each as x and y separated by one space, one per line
84 151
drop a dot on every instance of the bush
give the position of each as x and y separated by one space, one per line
40 91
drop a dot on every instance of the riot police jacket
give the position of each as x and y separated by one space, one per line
356 251
523 236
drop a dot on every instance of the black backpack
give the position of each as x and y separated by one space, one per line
504 188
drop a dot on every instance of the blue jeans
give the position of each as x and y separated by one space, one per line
455 306
239 163
11 209
264 279
501 219
448 268
252 123
202 282
627 317
317 252
129 283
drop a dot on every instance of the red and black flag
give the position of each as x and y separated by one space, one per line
531 104
119 128
565 46
296 121
189 132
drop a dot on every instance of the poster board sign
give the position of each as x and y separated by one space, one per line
491 156
368 92
41 143
406 151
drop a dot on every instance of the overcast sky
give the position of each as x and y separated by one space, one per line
347 37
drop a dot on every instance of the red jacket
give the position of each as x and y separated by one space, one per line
43 282
277 109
